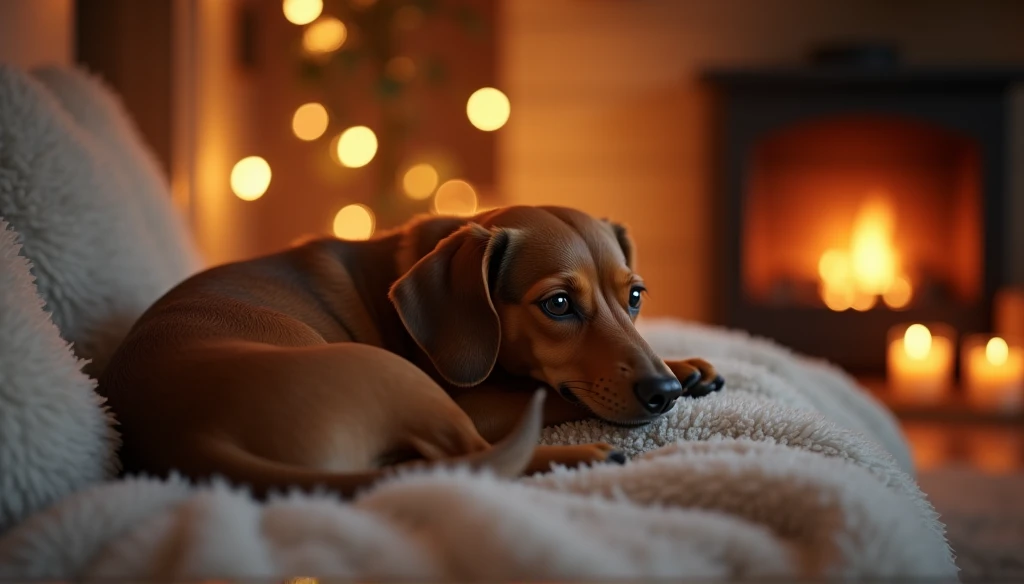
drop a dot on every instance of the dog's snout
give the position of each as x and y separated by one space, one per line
657 394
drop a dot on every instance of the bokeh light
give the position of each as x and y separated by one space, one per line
324 36
302 12
250 178
488 109
310 121
863 302
455 197
997 351
356 146
837 297
420 181
354 222
899 295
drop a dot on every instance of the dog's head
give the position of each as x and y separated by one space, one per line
545 292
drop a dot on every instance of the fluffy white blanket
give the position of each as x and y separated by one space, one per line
791 471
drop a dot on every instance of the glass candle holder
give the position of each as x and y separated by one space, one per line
992 372
920 362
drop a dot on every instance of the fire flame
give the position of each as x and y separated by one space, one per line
870 268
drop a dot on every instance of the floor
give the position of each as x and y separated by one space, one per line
994 449
973 474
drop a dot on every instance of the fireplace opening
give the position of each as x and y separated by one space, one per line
863 213
855 199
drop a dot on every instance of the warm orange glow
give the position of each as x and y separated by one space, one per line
930 447
488 109
997 351
324 36
994 453
871 266
455 197
834 266
250 178
356 147
871 247
900 294
863 302
837 298
354 222
917 341
302 12
310 121
420 181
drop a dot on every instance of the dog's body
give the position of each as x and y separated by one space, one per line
329 363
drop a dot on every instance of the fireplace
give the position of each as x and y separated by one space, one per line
856 197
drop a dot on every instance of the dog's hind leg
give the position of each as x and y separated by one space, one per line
329 415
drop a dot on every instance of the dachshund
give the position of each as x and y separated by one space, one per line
337 363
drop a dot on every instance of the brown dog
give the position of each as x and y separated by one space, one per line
333 363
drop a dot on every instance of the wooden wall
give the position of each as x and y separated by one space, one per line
608 115
36 32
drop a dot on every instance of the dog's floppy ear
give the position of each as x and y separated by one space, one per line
444 300
625 241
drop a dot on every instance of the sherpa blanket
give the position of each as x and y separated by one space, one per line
791 471
755 481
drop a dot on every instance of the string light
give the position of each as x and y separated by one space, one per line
356 146
488 109
420 181
324 36
310 121
250 178
302 12
354 222
455 197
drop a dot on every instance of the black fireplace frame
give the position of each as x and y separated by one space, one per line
752 104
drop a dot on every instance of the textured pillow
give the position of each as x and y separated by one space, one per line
54 433
95 217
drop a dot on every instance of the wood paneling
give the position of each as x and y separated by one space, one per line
608 114
36 32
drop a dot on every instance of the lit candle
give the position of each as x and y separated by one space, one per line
920 362
993 372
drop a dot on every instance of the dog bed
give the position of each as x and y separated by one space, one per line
792 471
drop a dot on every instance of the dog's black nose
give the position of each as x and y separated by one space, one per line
657 394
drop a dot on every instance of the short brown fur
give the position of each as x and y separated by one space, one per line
335 363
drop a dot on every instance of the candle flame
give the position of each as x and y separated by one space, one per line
997 351
917 341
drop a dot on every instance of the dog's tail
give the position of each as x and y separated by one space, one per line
507 458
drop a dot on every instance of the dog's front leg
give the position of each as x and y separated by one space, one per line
698 377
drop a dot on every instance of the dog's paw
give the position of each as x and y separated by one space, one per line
601 452
697 376
574 456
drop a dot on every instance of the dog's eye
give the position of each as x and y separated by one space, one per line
635 296
557 306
